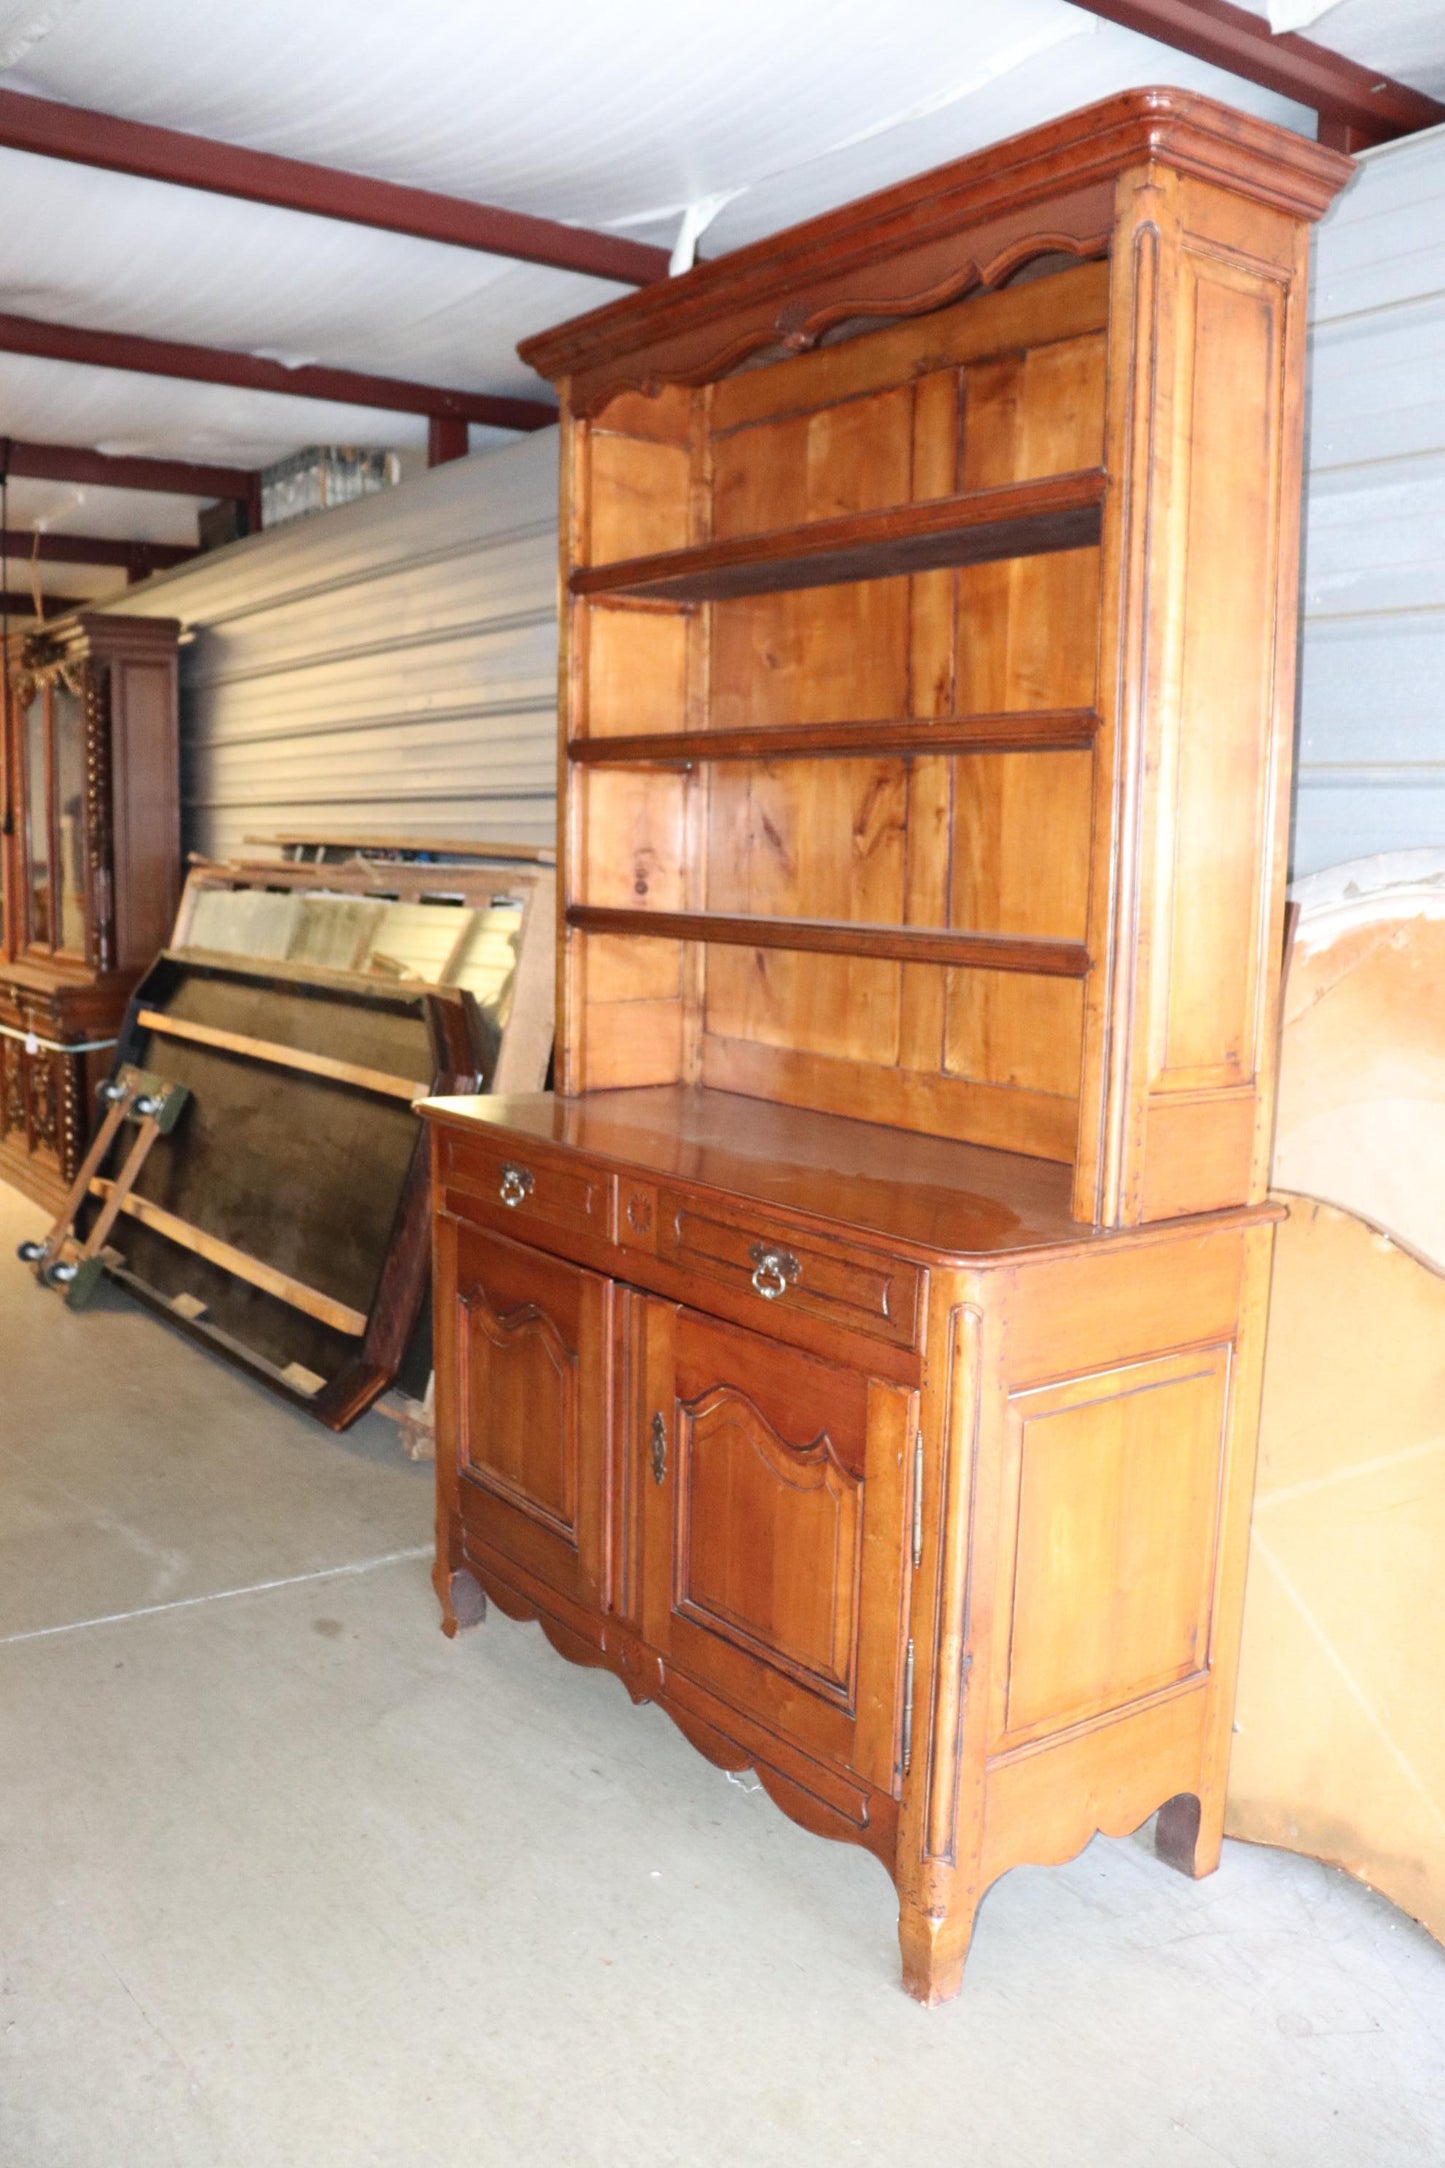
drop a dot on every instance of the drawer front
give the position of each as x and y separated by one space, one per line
790 1272
494 1180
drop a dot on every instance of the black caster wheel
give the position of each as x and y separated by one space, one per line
59 1275
30 1252
108 1093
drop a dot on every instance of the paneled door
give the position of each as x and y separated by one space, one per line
533 1370
774 1495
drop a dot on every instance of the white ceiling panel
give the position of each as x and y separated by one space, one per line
71 583
1403 38
53 402
614 114
122 515
106 250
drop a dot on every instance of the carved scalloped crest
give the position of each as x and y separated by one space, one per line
503 1327
802 1467
796 330
1056 182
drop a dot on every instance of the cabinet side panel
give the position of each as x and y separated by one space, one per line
146 808
1201 542
1128 1401
1206 897
1115 1508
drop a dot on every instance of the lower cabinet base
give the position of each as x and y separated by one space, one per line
1039 1810
948 1548
820 1799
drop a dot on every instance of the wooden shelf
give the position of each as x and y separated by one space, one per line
1022 519
1056 730
842 937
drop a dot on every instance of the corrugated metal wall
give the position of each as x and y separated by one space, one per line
1372 686
390 667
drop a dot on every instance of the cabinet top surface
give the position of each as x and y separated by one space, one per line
962 1200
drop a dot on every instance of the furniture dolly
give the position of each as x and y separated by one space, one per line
66 1260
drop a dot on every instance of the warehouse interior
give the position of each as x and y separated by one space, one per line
318 1850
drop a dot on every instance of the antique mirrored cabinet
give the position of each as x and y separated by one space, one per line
91 848
859 1354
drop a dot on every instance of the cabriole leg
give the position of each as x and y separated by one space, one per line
459 1592
934 1940
461 1598
1189 1835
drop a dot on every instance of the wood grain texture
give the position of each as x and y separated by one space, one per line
836 937
1050 730
280 1057
1056 512
253 1270
924 761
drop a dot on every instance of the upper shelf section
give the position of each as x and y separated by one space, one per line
1023 519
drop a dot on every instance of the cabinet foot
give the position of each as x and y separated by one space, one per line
460 1595
1186 1838
934 1946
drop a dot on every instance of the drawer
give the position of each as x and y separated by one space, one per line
497 1180
788 1271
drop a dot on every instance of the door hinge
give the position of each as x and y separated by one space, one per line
917 1498
908 1706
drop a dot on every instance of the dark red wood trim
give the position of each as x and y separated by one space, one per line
104 470
1371 106
446 439
294 184
15 604
1338 135
842 937
1060 730
252 372
81 549
1019 519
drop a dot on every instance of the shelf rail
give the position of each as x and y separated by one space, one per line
1030 954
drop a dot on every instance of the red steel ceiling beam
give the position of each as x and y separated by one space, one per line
90 549
1357 106
109 470
446 439
252 372
293 184
18 605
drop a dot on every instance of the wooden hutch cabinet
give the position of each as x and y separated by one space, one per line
91 851
860 1353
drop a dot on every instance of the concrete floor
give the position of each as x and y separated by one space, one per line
286 1878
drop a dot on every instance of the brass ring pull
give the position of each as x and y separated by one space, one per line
774 1271
516 1184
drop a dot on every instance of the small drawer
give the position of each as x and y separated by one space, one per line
512 1185
786 1271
